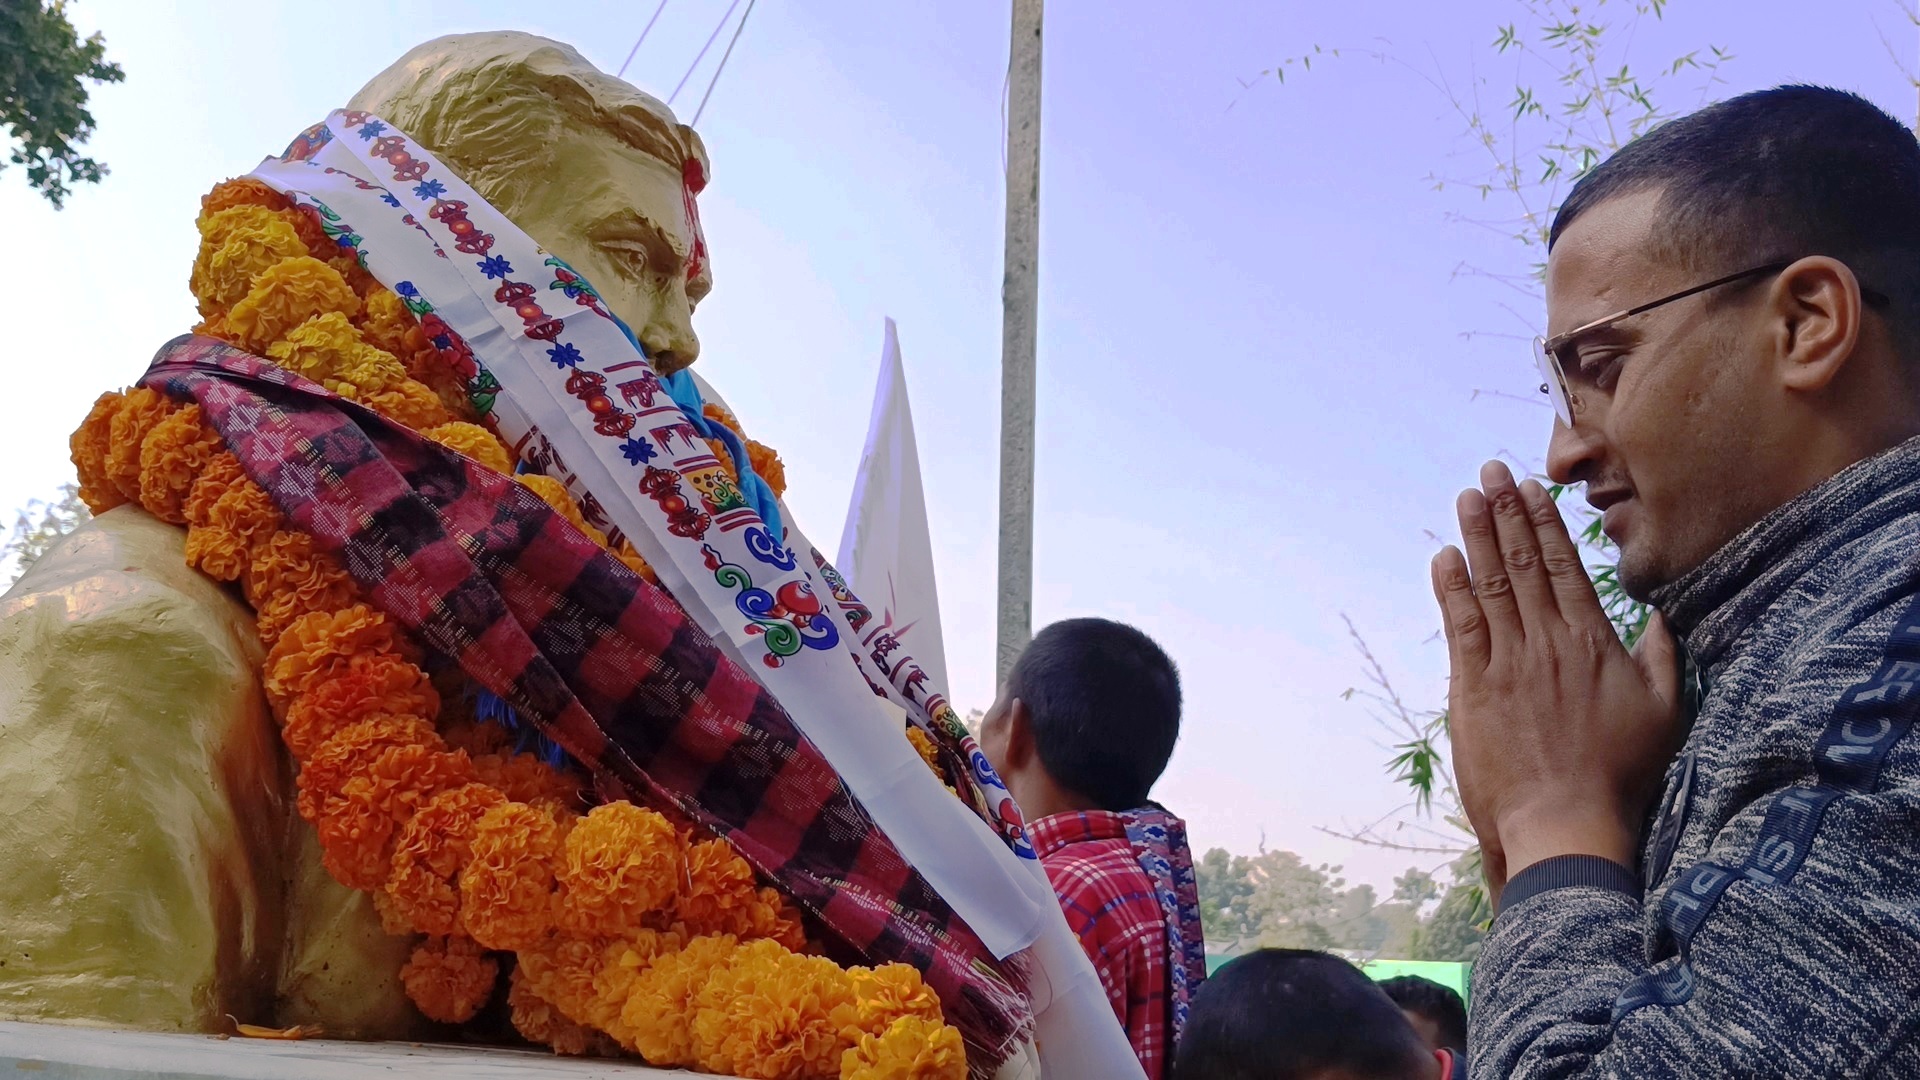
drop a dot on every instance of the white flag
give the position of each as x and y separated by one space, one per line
886 549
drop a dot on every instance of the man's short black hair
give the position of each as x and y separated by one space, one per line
1779 174
1104 704
1278 1014
1437 1003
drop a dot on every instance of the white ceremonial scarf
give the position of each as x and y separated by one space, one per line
579 400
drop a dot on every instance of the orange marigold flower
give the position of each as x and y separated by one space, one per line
719 450
506 890
718 887
393 921
239 191
307 225
479 738
621 963
139 413
216 553
449 979
90 444
432 847
349 750
554 494
357 826
410 404
769 1014
537 1020
526 778
173 456
319 646
288 578
719 415
562 969
912 1048
659 1012
287 294
379 684
768 466
889 992
475 442
238 246
244 515
221 475
621 863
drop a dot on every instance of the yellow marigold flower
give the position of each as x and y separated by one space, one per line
321 645
769 1014
319 348
525 778
889 992
768 466
237 246
221 475
139 413
357 827
475 442
635 563
384 321
621 963
369 371
379 684
173 456
658 1015
621 863
349 751
506 890
913 1048
554 494
409 404
427 855
285 295
449 979
90 444
718 887
537 1019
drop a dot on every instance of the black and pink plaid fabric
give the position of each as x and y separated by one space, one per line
608 666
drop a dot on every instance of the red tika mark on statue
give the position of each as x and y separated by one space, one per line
693 181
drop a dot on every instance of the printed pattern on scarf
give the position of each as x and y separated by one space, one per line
1159 842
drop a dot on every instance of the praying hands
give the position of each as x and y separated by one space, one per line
1560 735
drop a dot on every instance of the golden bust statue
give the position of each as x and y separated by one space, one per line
156 876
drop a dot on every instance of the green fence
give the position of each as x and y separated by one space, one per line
1446 974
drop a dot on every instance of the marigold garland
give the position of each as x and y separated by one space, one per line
628 931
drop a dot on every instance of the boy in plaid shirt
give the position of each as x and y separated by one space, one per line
1081 730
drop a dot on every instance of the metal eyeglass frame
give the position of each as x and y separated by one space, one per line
1546 351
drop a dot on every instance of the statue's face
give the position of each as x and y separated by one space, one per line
618 215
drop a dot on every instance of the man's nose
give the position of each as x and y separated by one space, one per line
1573 453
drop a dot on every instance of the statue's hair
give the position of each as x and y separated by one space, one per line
488 105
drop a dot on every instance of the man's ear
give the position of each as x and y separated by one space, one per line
1445 1057
1020 746
1816 310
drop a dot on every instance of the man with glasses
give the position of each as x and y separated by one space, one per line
1709 869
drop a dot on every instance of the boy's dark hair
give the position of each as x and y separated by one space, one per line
1281 1014
1104 704
1435 1002
1779 174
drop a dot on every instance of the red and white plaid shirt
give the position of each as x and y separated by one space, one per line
1110 904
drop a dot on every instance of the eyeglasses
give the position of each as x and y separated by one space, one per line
1547 351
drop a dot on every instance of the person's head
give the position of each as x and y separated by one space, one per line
1086 720
1698 417
1435 1011
594 170
1294 1014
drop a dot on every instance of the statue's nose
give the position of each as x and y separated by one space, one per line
668 334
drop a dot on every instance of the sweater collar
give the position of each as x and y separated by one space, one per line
1713 604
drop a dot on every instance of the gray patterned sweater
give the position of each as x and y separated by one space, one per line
1779 930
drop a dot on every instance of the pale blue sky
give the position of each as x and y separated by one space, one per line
1255 399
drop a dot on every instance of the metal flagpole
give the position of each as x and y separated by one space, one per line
1019 295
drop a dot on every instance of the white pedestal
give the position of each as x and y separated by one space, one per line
53 1052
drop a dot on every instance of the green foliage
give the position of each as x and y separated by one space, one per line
1455 929
1276 900
44 66
41 524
